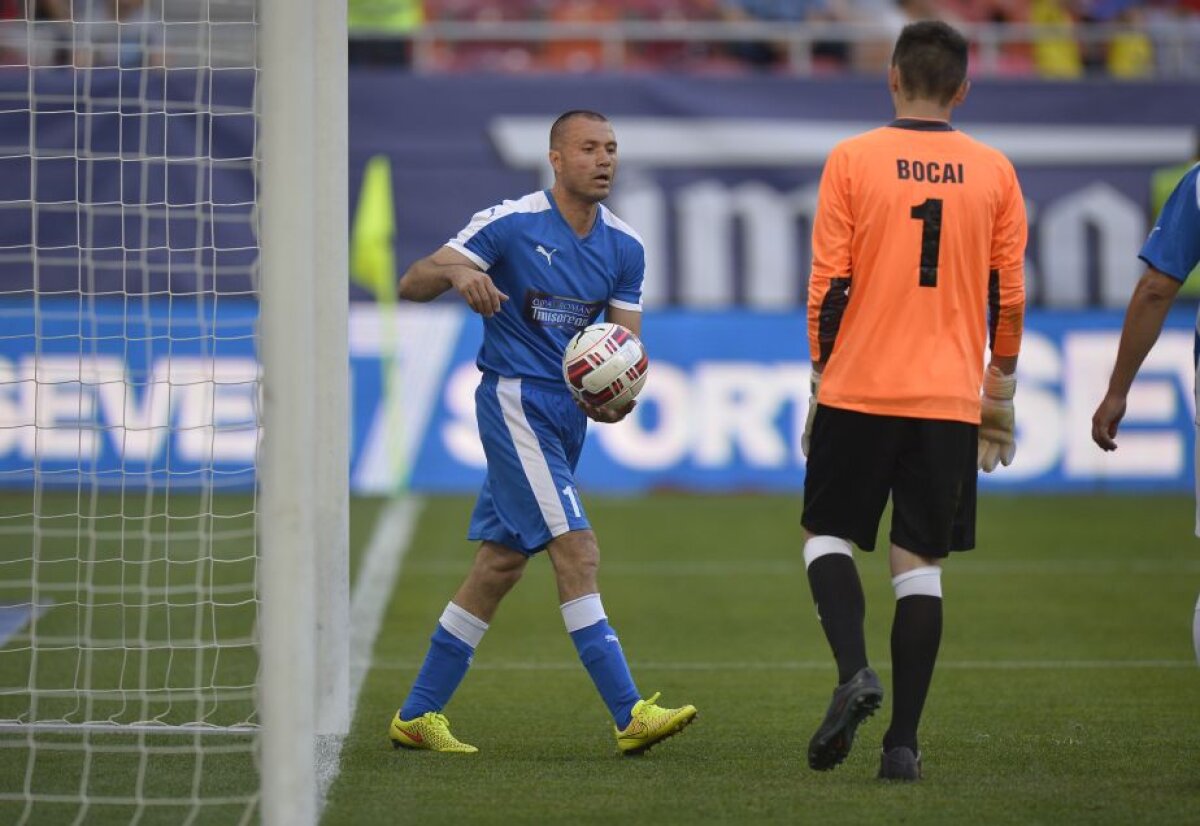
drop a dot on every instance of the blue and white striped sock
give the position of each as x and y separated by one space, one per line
450 651
601 654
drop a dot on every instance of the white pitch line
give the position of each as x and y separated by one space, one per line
781 567
375 583
819 665
372 592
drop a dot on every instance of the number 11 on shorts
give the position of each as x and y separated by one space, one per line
569 492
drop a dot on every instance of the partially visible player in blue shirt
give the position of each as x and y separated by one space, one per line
538 269
1171 252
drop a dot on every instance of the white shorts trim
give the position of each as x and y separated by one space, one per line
529 452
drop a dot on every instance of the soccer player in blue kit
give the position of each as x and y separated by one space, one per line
1171 252
538 269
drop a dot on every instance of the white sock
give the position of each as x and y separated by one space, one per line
463 624
819 546
583 612
924 581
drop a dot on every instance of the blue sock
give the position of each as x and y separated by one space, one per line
444 668
604 660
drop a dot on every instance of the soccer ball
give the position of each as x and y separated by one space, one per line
605 366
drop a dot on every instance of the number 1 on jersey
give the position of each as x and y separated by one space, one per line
569 492
929 214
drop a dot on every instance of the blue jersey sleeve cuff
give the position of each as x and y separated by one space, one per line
1165 269
479 262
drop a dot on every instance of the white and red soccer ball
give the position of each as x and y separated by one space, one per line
605 365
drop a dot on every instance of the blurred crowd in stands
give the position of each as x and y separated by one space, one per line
80 33
127 34
1046 38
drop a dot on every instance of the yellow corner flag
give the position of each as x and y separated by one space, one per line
373 266
372 257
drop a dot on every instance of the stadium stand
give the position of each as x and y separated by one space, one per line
1028 38
125 33
1057 39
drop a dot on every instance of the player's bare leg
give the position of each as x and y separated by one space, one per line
576 559
495 571
639 723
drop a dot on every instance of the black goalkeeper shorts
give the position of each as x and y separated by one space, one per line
928 466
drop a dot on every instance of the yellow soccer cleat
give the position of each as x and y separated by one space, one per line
429 731
651 724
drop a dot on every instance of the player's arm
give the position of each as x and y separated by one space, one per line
624 308
448 269
1006 325
1171 252
625 303
629 319
1006 280
829 282
1152 299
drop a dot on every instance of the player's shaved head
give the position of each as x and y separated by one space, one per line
559 129
932 60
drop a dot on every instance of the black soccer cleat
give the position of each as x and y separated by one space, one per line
900 763
853 701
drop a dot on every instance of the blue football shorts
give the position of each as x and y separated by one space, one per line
532 434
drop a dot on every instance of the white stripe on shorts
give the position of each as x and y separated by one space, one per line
537 472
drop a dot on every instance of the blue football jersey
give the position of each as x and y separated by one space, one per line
556 282
1173 247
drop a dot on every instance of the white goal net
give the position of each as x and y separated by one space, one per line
129 414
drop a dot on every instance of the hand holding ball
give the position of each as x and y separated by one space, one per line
605 366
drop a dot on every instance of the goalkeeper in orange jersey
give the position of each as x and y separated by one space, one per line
918 265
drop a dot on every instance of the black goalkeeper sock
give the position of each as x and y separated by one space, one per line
838 594
916 635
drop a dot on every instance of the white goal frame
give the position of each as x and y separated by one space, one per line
301 158
304 471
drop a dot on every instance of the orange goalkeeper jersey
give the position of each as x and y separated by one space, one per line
918 260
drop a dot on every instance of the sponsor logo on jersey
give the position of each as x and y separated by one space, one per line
557 311
547 253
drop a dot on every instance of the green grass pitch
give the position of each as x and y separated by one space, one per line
1066 693
1067 690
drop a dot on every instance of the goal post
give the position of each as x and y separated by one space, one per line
174 409
287 238
332 390
305 347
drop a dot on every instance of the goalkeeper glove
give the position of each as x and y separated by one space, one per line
806 439
996 442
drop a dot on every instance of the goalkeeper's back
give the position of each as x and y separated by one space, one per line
918 257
